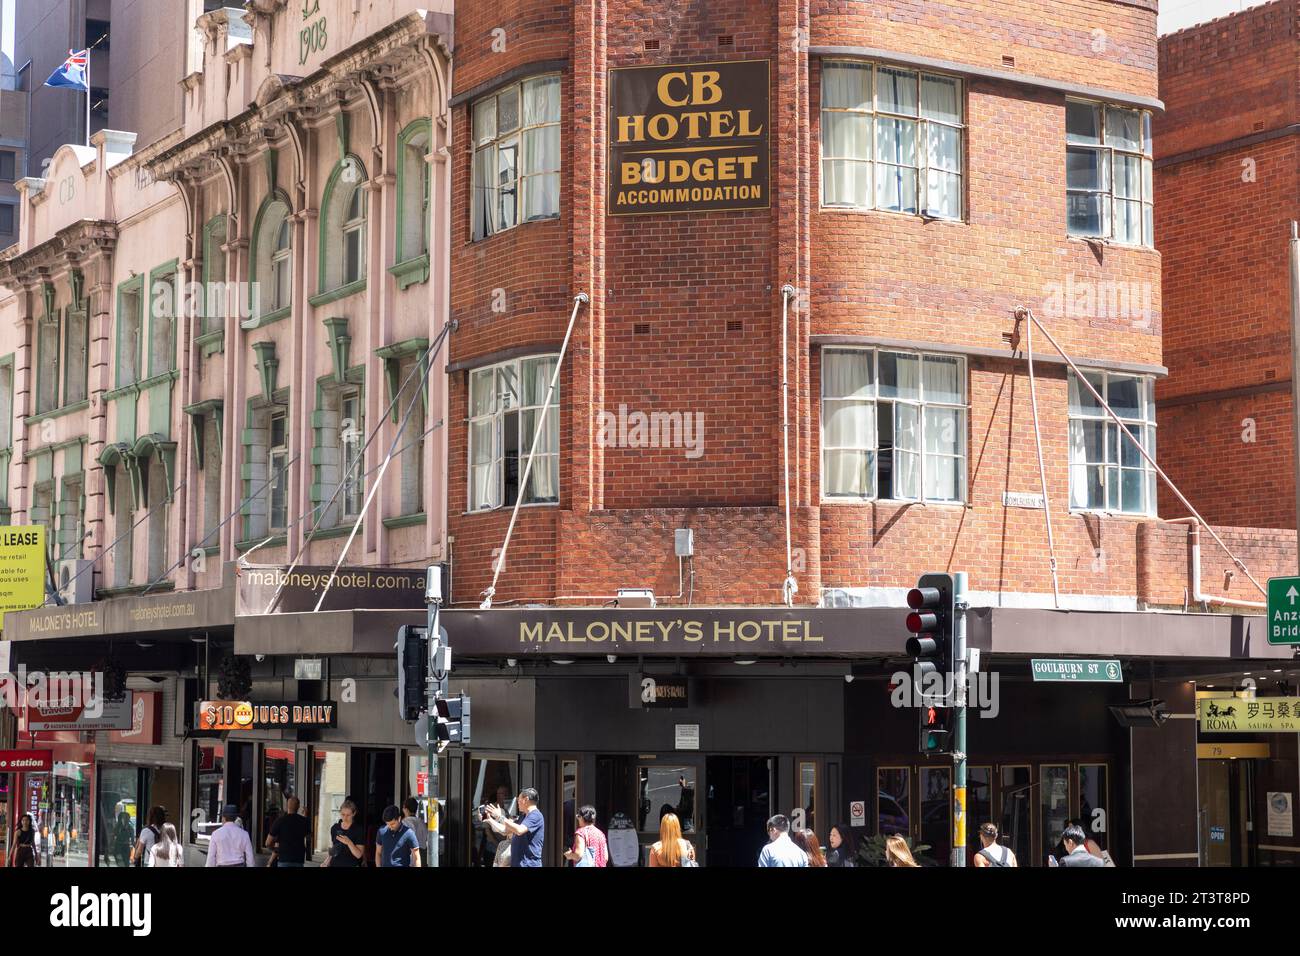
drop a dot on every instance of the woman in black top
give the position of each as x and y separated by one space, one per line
843 848
24 853
347 842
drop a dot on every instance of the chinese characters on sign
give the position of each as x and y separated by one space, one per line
689 137
1227 715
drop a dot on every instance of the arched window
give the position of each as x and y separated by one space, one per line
413 193
271 286
343 232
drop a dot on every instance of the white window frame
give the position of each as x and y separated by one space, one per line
495 417
355 226
353 480
1114 442
1110 155
282 266
277 476
875 113
875 400
485 142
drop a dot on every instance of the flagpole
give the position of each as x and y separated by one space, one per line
87 95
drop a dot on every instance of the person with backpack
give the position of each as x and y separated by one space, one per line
140 855
991 852
589 846
167 850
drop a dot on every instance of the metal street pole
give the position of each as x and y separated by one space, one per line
434 686
959 735
1295 357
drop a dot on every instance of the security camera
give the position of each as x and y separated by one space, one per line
433 585
511 662
259 657
848 678
611 657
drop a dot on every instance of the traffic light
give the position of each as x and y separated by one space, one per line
451 723
412 671
930 620
936 732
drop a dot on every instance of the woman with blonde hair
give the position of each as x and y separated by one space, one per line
897 853
671 850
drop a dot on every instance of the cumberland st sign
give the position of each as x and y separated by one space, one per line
689 137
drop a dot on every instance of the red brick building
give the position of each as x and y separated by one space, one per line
791 240
1227 187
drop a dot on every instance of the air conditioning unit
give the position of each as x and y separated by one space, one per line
76 580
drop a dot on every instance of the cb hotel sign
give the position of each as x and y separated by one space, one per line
689 137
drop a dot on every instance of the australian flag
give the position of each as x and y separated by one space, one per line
72 74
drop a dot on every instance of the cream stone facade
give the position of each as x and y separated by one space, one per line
200 336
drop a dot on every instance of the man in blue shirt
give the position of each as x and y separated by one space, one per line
397 844
527 834
781 850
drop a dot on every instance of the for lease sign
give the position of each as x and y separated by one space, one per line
689 137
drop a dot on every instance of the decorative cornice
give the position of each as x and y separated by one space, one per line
72 244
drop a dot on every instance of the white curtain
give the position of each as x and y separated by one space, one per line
542 101
907 447
847 86
896 91
941 98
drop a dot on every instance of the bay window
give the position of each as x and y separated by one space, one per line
891 139
893 426
1107 472
1108 172
516 160
505 402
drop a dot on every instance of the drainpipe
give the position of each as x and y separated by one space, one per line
790 587
1194 542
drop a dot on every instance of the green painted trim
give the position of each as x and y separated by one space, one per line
412 272
134 287
252 405
198 413
354 377
166 269
275 195
340 342
267 366
326 227
341 531
8 360
343 128
211 549
409 132
406 521
169 376
342 292
135 589
116 393
392 356
60 446
212 343
276 542
57 413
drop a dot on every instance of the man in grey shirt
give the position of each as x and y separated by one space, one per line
780 849
1076 848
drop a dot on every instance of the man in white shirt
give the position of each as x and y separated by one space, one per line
991 852
230 844
781 850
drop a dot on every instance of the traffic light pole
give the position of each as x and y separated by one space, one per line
959 720
434 686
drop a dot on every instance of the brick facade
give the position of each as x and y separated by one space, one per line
1226 191
685 311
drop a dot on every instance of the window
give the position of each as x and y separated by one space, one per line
351 436
43 511
1094 802
8 167
76 348
211 479
47 354
162 325
1108 173
414 177
277 490
893 801
1053 805
128 335
70 518
209 790
271 258
412 445
7 219
329 788
159 498
893 425
97 34
891 139
505 402
281 268
214 275
354 237
1107 472
516 158
6 404
123 523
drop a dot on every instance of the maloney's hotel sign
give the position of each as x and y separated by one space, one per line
689 137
